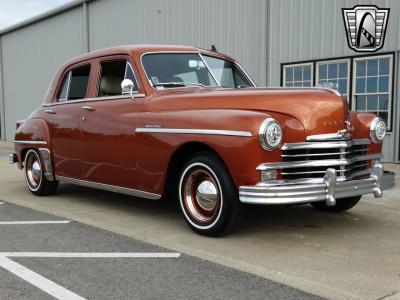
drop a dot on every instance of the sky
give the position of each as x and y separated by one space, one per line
13 12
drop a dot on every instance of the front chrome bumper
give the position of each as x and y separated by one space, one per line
329 189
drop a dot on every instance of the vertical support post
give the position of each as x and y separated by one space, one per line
268 43
86 37
2 100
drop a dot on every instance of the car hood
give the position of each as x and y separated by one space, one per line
319 110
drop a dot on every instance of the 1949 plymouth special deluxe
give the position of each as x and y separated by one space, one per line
189 124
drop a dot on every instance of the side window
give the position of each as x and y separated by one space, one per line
226 73
64 90
112 74
75 84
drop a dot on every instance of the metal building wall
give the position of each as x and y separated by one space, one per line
31 56
236 27
314 29
32 53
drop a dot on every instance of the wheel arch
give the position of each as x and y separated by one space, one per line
178 159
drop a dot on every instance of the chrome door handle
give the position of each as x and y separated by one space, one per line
50 111
88 108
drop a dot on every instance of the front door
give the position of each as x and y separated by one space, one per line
64 117
108 126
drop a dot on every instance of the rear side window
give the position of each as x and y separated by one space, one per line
75 84
112 75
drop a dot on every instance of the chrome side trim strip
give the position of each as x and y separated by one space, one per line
194 131
317 163
325 145
110 188
48 166
31 142
105 98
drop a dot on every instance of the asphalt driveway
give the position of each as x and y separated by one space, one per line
354 255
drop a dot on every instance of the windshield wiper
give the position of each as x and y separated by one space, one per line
177 84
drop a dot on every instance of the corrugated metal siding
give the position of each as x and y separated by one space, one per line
236 27
31 56
314 29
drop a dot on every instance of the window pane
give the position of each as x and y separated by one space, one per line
322 71
372 67
342 85
360 66
384 102
289 74
298 84
289 84
307 83
64 90
307 73
162 67
130 75
226 72
384 66
297 76
372 84
361 103
332 71
78 83
343 70
372 102
360 85
383 84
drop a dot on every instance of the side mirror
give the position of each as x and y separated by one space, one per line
127 87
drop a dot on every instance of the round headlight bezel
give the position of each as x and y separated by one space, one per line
263 137
376 124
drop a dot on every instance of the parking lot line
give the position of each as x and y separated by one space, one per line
93 255
33 222
37 280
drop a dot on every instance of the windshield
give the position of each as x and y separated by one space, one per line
168 70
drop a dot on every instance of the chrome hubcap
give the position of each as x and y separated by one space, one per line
201 195
207 195
33 170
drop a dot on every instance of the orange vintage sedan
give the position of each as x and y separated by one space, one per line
190 124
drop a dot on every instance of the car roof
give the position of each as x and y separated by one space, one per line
140 49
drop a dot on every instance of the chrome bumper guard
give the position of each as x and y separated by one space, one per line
13 158
328 190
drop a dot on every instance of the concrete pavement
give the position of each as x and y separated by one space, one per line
354 255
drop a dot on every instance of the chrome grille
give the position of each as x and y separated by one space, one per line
312 159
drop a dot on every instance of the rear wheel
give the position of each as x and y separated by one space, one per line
341 204
34 175
208 197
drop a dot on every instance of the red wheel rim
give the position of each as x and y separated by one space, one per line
201 195
33 170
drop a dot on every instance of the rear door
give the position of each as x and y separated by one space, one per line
64 117
108 126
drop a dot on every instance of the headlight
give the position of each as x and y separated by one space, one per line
270 134
377 130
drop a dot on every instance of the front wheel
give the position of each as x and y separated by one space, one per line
34 175
341 204
208 197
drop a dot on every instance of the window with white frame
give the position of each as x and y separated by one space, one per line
299 75
334 73
372 86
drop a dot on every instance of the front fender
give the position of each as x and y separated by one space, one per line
241 154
